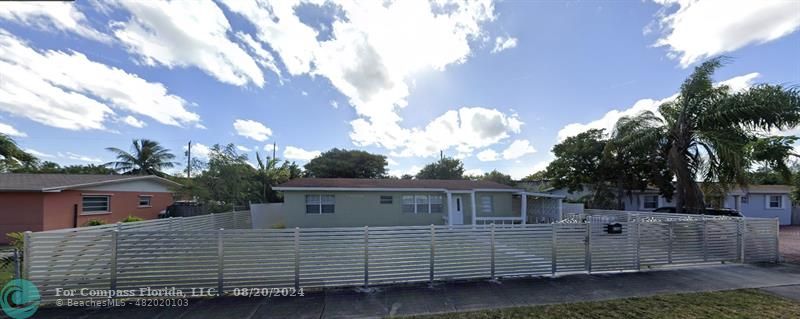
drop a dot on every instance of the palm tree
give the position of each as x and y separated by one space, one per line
148 157
707 132
11 156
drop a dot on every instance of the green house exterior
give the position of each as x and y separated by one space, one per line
312 202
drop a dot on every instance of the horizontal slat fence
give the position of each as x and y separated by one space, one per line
229 220
366 256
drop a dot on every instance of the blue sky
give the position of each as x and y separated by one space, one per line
496 84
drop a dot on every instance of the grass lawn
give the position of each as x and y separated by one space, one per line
746 303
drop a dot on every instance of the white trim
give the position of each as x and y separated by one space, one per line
97 194
535 194
767 201
378 189
121 180
474 209
642 201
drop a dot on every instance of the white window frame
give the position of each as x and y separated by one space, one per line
768 199
644 201
483 205
149 201
320 203
423 201
95 212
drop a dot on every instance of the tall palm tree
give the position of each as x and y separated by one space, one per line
147 157
11 156
707 131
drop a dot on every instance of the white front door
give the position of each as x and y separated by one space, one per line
457 211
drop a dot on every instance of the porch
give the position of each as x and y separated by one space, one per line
525 208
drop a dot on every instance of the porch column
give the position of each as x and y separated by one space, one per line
474 209
560 208
449 208
524 207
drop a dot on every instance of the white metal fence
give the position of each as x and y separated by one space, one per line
365 256
235 219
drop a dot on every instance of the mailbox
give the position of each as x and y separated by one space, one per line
615 228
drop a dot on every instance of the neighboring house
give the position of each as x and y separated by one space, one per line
767 201
39 202
342 202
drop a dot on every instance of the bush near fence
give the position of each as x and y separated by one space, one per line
206 257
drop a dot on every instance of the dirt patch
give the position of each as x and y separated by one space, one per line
790 243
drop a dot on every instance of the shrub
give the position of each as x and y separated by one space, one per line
131 219
95 222
17 241
278 226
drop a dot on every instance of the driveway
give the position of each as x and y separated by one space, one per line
790 243
464 296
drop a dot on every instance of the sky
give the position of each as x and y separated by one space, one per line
493 83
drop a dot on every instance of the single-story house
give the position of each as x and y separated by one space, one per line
763 201
39 202
348 202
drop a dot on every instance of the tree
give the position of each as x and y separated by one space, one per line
578 161
48 167
342 163
536 176
13 157
708 131
445 168
148 157
269 174
494 176
228 179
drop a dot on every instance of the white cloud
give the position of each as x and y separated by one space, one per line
398 172
391 161
334 104
296 153
186 33
39 154
132 121
608 120
371 51
701 29
466 129
79 157
60 16
11 131
474 172
252 129
263 57
243 148
517 149
502 43
200 151
304 93
488 155
271 147
67 90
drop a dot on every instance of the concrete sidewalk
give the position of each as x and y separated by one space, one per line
410 300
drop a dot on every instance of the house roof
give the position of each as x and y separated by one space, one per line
57 182
388 184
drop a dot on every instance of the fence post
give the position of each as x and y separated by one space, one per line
17 265
366 257
220 262
170 223
26 255
705 240
777 240
554 246
638 224
433 254
114 248
119 226
297 258
741 229
493 252
588 248
671 226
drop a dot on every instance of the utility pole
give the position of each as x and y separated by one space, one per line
274 148
189 162
441 154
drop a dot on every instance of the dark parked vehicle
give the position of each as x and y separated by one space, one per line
706 211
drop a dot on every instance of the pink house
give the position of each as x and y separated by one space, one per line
39 202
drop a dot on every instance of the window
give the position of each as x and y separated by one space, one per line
650 201
745 199
96 204
486 204
386 199
775 201
320 204
408 203
422 203
144 200
436 204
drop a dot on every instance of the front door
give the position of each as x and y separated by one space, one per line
457 215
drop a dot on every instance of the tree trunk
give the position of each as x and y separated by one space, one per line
687 192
